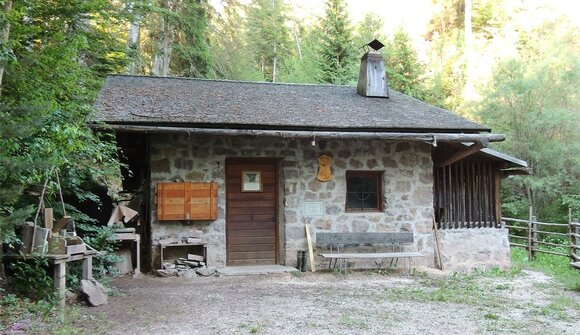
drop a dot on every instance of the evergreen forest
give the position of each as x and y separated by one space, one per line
512 65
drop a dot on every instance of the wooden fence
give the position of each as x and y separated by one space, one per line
534 236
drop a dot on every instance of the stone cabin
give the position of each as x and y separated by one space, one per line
284 155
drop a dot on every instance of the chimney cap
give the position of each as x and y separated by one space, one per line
375 44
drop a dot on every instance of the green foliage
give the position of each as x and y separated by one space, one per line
30 278
62 51
232 58
370 28
268 35
536 105
337 60
304 69
98 237
20 315
404 72
191 51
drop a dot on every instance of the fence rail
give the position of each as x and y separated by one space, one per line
535 236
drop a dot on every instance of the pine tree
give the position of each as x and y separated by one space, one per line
337 60
268 35
191 51
403 68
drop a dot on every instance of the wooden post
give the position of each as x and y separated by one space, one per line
534 230
60 282
571 237
530 258
88 267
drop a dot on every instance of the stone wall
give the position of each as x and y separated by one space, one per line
465 250
408 194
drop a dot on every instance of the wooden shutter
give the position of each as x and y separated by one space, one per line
186 201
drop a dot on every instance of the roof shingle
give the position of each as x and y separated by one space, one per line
252 105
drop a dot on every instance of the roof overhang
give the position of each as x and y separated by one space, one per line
430 137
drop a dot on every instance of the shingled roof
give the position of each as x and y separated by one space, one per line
142 100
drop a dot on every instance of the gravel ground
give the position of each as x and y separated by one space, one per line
324 303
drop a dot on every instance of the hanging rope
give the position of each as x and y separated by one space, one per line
60 193
40 205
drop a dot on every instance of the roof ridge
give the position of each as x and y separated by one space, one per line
226 80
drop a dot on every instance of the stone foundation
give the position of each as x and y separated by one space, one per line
465 250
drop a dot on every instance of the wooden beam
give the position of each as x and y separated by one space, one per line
463 153
431 137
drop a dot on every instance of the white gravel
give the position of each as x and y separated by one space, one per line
323 303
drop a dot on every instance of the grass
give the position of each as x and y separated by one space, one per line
34 317
552 265
252 329
353 321
469 289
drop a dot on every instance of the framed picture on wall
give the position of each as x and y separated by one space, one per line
251 181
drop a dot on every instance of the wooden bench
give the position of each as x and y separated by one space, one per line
392 243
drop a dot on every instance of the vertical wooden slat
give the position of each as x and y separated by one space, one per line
462 194
497 192
484 194
478 193
450 196
445 203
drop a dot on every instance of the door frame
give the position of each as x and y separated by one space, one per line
248 160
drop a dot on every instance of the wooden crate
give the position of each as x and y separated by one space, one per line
186 201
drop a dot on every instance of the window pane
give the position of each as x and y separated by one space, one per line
369 184
363 190
353 202
370 201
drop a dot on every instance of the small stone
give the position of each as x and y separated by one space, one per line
168 266
205 272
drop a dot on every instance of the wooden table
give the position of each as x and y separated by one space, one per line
131 236
59 264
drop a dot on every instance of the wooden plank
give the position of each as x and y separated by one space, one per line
374 255
472 149
359 238
244 262
251 247
48 218
234 240
251 255
255 232
310 251
254 221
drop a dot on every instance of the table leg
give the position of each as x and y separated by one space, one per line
138 268
60 282
88 267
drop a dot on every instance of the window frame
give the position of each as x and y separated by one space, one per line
378 175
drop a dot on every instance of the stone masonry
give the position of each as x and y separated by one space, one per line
408 193
465 250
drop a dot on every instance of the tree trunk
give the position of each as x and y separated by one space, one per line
469 90
164 47
4 36
133 43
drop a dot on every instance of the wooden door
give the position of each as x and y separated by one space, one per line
251 205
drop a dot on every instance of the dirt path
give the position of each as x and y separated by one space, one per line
322 303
